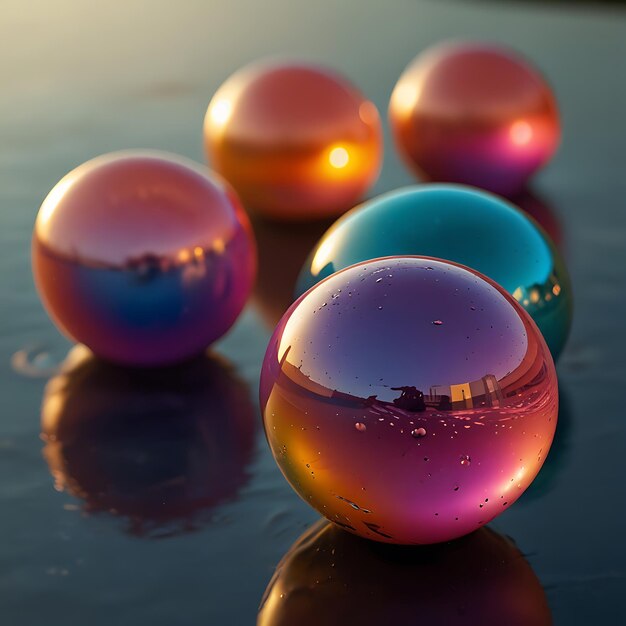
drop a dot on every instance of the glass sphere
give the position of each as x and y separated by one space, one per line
463 225
409 400
159 447
144 257
474 113
480 579
297 141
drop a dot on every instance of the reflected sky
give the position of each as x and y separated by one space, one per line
124 206
428 323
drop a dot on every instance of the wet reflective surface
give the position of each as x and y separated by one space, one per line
296 140
282 248
474 113
69 93
408 400
331 577
543 211
144 257
462 225
160 448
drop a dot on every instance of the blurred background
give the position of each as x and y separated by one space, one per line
79 535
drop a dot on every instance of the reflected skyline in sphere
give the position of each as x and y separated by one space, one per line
408 400
145 257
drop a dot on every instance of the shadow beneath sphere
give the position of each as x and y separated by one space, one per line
158 447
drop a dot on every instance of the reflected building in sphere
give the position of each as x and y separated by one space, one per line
408 399
145 257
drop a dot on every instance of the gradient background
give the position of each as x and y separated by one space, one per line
83 78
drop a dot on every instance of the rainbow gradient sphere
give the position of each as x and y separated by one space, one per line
463 225
296 140
145 257
474 113
408 399
480 579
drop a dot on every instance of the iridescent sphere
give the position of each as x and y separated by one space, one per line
474 113
297 141
463 225
144 257
333 578
408 399
159 447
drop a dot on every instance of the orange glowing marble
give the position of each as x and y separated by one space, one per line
474 113
297 141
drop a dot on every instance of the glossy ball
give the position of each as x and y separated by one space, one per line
480 579
463 225
297 141
474 113
144 257
159 447
408 399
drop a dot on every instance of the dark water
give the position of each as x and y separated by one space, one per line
79 79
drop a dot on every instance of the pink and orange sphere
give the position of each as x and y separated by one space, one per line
145 257
297 141
409 400
474 113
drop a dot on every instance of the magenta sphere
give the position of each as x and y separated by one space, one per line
408 399
474 113
144 257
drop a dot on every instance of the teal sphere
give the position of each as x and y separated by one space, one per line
460 224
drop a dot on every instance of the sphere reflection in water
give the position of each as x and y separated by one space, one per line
144 257
331 577
474 113
544 213
463 225
297 141
408 399
283 248
156 446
